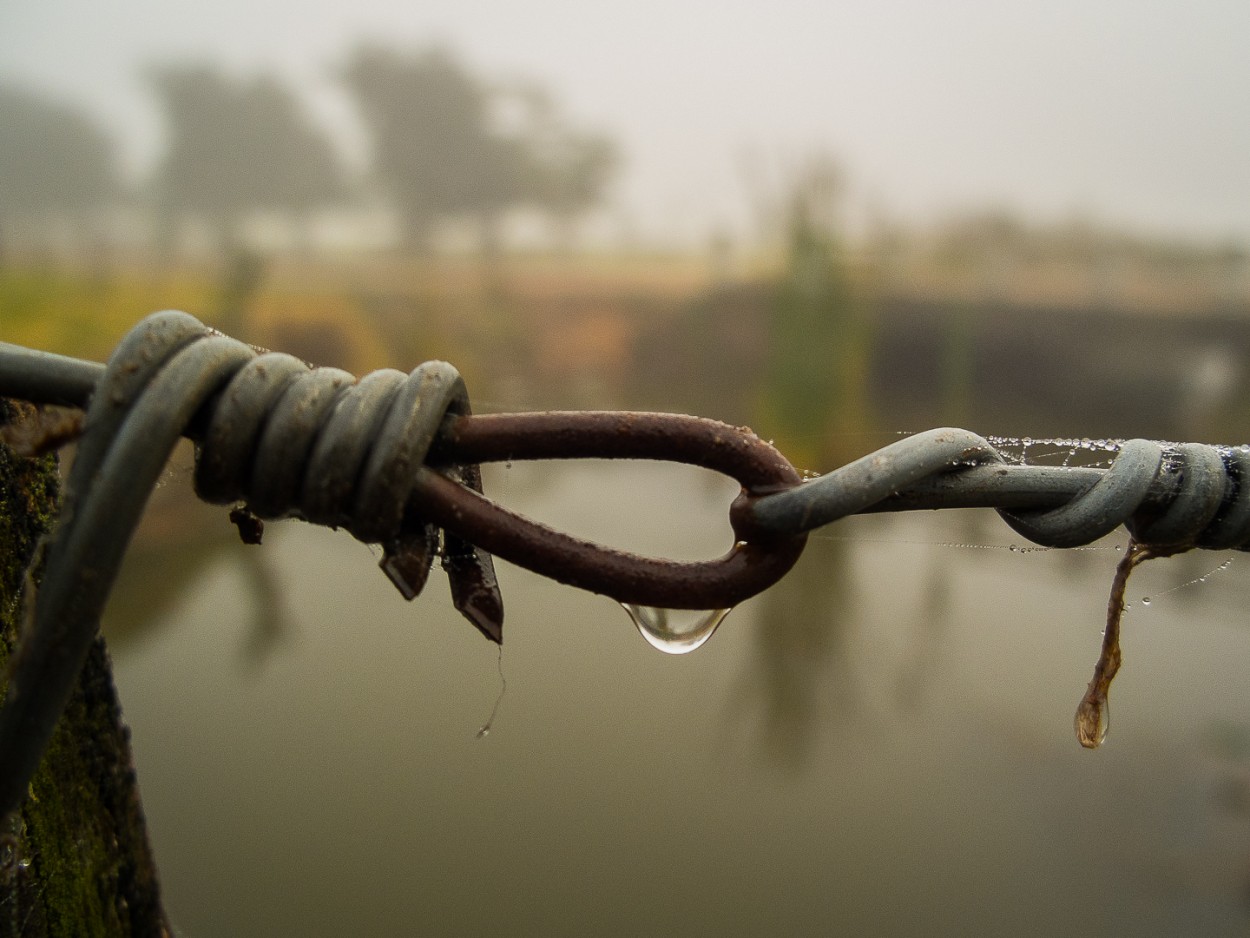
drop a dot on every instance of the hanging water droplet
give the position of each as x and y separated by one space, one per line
1093 719
675 631
484 730
1145 600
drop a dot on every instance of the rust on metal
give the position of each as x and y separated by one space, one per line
749 567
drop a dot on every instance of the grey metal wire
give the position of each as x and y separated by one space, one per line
1166 495
1186 495
153 388
32 375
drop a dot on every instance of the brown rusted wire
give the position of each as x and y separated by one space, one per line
750 566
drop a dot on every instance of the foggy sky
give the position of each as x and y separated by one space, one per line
1111 111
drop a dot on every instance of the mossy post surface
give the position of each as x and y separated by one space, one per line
78 862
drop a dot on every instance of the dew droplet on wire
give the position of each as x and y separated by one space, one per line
675 631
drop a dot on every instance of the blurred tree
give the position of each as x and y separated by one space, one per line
432 150
820 332
54 161
571 168
445 144
238 146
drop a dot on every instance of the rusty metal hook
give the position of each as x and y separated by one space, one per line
753 563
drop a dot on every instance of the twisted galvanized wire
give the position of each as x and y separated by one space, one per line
291 440
157 381
1168 496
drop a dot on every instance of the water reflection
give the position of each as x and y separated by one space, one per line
913 681
800 674
924 649
178 542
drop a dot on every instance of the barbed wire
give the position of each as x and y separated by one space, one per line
394 459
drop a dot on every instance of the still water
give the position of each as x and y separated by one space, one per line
882 744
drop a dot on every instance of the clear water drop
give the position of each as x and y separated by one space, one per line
675 631
1145 600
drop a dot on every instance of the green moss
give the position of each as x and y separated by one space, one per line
82 865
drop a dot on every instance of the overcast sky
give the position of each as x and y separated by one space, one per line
1129 113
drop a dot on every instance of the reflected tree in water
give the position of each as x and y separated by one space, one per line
800 674
180 540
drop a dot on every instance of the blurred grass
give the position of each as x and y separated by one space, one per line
820 355
546 322
84 314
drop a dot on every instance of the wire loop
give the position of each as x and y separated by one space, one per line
288 440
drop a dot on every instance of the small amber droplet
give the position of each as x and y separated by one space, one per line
1093 719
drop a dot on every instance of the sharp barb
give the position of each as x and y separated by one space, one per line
407 560
474 588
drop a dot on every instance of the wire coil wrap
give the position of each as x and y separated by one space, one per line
293 440
156 385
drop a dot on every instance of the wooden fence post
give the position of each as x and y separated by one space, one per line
78 862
